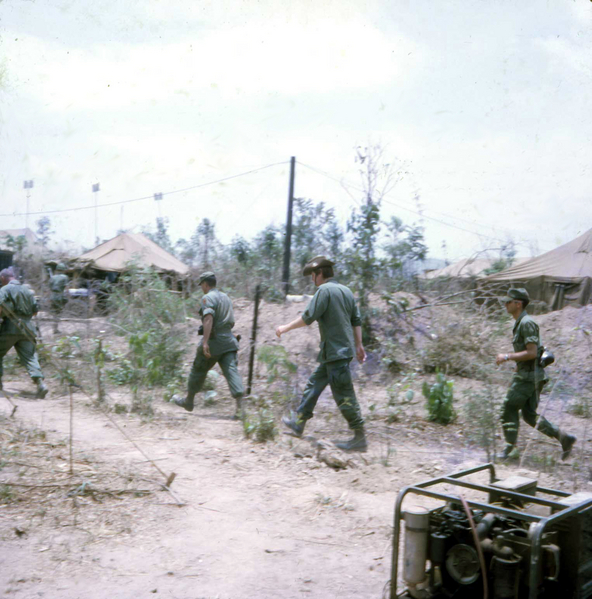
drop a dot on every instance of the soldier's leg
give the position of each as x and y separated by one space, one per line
316 384
6 343
197 376
344 394
229 365
26 351
516 398
529 413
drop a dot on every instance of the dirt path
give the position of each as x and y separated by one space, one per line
259 520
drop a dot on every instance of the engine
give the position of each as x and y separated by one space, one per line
520 542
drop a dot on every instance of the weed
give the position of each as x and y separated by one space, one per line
581 407
210 398
120 408
262 425
481 412
277 362
439 400
7 494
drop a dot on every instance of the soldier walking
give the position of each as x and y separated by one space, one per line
334 308
218 345
17 308
57 284
527 381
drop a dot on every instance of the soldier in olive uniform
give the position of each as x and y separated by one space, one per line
334 308
17 308
57 285
218 345
528 380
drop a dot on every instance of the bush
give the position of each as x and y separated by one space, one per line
481 414
439 400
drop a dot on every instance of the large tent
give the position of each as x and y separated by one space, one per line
559 277
117 253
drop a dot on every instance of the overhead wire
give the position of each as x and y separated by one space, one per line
420 214
150 197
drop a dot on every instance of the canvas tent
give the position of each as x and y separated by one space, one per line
114 255
559 277
464 269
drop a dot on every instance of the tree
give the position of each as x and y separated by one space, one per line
378 178
405 245
44 230
161 235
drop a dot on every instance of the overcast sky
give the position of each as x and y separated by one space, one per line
485 106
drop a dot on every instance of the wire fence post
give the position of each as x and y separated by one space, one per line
253 339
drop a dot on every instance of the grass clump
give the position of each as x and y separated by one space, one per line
439 400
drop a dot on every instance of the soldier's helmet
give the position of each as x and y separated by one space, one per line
61 267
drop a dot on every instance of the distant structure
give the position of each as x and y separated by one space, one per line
116 254
560 277
33 246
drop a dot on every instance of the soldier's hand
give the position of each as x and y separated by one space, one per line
500 359
280 331
361 354
206 350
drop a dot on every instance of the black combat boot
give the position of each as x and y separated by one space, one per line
567 442
357 443
508 453
183 402
42 389
296 423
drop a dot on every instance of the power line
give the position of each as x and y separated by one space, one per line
150 197
420 214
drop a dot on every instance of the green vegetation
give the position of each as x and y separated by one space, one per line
439 400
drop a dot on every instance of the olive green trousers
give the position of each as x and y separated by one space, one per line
26 351
522 397
337 375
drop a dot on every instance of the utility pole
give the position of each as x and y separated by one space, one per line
158 199
28 185
288 240
95 189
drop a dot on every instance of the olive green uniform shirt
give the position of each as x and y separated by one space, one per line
526 331
17 302
218 304
334 307
57 284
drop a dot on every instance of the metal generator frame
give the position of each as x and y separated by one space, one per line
559 514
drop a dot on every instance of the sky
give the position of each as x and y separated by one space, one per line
482 108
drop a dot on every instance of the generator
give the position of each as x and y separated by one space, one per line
508 539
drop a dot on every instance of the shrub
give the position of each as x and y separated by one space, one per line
439 400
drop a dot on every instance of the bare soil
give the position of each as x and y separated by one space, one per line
287 518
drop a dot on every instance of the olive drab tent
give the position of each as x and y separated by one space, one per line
116 254
560 277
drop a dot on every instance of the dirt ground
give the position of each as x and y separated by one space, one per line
287 518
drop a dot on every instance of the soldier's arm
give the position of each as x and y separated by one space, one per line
360 351
295 324
530 353
208 322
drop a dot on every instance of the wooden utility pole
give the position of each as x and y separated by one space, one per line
288 241
253 339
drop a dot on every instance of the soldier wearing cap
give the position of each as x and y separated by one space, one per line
528 380
334 308
17 308
218 345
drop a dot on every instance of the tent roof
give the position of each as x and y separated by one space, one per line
464 269
572 260
113 255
